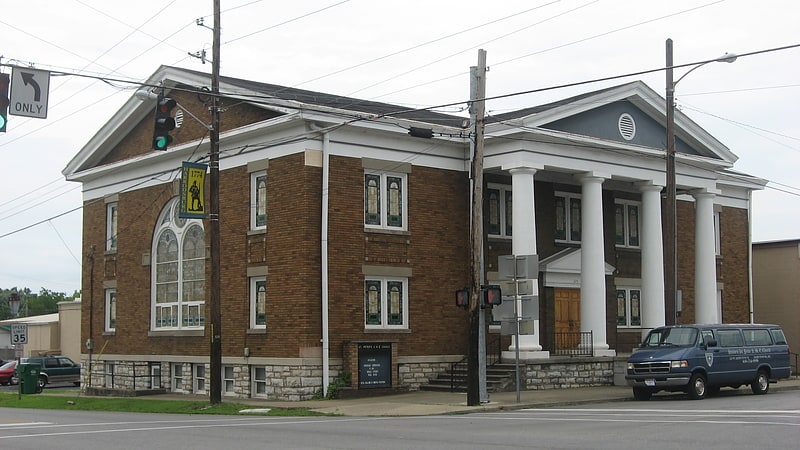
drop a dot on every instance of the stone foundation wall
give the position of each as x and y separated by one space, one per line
413 375
569 373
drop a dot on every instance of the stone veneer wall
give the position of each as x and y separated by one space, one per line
413 375
290 382
569 373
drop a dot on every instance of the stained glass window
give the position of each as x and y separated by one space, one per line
385 303
385 200
178 271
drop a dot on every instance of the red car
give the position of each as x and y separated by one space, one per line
7 375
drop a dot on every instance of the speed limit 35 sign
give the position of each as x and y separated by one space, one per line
19 333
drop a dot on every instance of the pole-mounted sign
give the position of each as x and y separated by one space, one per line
29 92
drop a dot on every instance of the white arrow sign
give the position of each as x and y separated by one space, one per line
29 92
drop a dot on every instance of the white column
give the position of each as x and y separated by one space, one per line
705 260
653 308
593 263
523 242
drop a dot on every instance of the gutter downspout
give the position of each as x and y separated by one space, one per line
324 250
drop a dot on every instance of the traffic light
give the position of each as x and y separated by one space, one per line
164 123
462 298
5 80
492 296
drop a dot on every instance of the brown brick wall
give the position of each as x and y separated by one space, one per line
732 267
435 248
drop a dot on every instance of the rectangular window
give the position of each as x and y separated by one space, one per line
258 200
499 209
258 302
227 380
626 223
259 381
177 377
629 307
155 376
200 379
385 200
730 338
568 217
386 303
111 310
111 227
109 376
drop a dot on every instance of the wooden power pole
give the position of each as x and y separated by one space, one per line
476 237
215 308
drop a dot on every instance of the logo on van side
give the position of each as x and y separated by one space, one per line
709 359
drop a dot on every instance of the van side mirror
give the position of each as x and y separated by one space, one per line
710 343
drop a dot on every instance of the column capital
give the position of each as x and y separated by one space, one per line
522 169
648 186
593 177
703 193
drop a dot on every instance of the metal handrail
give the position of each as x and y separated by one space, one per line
573 343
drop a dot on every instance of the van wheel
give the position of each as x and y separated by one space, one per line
42 382
760 385
642 393
697 387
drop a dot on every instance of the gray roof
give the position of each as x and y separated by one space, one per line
336 101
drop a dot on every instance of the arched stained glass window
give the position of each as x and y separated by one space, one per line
178 271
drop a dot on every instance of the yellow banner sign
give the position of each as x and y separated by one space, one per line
193 190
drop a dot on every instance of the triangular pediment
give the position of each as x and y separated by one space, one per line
563 269
598 115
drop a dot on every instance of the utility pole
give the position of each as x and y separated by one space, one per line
670 210
213 225
476 237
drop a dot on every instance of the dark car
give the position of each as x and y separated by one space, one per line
7 373
55 369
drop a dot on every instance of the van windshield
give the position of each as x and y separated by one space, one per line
671 337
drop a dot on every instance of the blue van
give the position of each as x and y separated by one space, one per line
700 359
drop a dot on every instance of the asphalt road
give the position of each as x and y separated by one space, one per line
726 422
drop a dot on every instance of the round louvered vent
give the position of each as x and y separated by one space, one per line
627 127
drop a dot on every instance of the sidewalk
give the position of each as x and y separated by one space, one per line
421 403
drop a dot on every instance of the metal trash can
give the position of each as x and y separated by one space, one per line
28 375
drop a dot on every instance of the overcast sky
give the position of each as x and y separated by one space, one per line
412 53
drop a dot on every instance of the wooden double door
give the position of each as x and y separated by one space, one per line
568 318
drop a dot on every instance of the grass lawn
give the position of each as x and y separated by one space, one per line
136 404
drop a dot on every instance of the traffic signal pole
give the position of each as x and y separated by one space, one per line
215 354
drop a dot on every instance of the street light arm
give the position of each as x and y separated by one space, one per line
727 58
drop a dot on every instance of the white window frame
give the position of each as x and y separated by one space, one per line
110 371
228 380
168 221
568 198
626 213
382 303
383 200
155 376
111 310
504 192
254 294
112 219
178 378
258 200
629 306
199 381
260 385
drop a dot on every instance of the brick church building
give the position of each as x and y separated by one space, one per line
344 238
